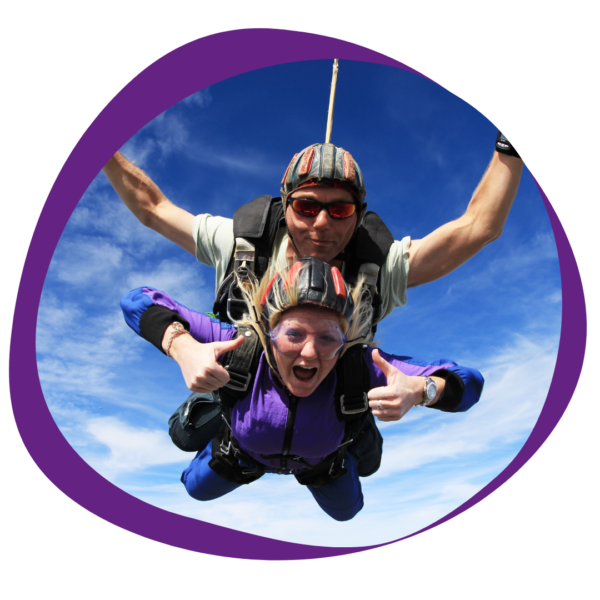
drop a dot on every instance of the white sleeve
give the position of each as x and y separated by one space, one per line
214 242
394 276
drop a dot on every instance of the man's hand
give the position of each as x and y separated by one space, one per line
401 393
201 371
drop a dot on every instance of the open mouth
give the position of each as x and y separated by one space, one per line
304 373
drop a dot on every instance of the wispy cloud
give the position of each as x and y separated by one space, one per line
202 99
131 449
432 150
243 161
521 262
159 139
432 463
172 134
279 508
508 409
86 260
180 281
101 213
80 358
140 151
168 135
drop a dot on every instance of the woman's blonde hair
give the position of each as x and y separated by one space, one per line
286 297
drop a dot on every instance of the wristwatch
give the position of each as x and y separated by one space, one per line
429 391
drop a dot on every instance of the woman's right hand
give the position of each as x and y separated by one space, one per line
401 393
199 364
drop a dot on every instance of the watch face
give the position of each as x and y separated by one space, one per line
431 390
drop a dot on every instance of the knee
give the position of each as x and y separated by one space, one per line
344 515
342 518
341 512
200 495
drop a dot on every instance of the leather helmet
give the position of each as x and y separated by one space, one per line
318 284
323 164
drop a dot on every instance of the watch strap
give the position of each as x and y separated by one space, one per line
426 401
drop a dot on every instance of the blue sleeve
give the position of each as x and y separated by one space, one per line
463 385
134 305
149 312
471 392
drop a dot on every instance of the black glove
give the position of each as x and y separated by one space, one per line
504 146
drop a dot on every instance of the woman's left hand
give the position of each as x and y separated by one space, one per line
401 393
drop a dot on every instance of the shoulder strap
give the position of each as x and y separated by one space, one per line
353 383
362 438
258 223
365 254
255 227
371 244
242 365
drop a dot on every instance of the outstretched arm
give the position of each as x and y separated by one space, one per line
401 385
454 243
145 200
151 314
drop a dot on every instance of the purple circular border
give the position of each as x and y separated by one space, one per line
161 85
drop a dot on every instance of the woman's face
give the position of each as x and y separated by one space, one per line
307 337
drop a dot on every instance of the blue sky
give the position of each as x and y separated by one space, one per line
422 152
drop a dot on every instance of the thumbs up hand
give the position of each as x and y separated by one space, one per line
401 393
199 364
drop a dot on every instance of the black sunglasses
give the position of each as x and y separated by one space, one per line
311 208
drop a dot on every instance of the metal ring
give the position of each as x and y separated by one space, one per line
379 406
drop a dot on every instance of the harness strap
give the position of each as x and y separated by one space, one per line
257 223
226 457
241 365
325 472
353 383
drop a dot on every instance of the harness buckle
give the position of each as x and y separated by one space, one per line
225 450
354 404
331 471
235 307
238 381
244 256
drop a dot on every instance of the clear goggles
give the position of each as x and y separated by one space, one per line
291 335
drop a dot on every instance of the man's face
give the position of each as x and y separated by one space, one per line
321 236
